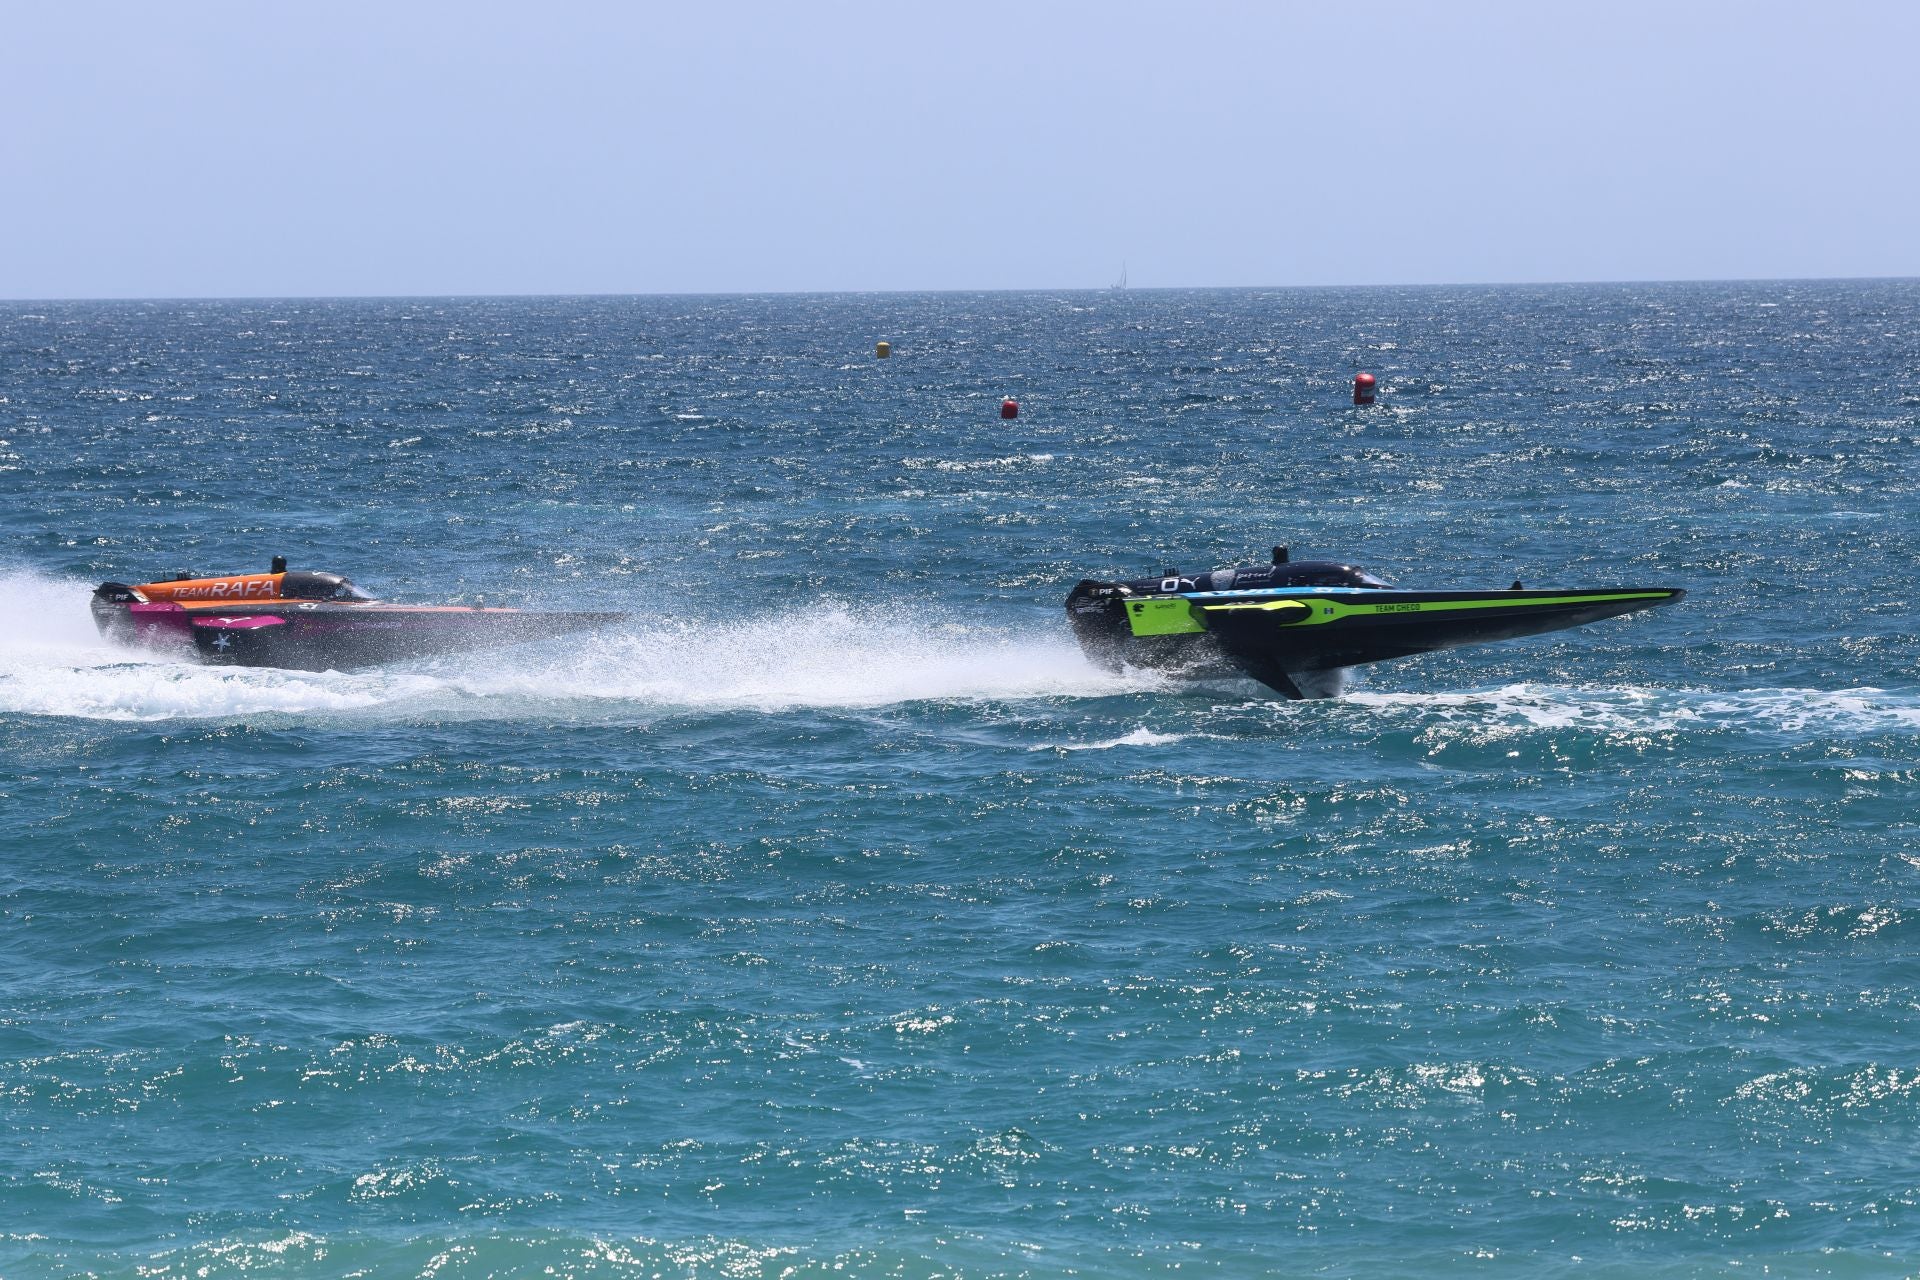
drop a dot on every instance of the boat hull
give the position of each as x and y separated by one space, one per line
319 636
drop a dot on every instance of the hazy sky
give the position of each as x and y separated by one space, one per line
177 148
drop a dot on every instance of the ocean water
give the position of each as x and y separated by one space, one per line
834 917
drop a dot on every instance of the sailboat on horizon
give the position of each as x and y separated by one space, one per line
1121 283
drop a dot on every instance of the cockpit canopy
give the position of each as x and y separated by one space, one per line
301 584
1264 577
1298 573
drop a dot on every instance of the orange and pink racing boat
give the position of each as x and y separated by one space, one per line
308 621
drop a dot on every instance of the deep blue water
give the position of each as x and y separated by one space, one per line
834 917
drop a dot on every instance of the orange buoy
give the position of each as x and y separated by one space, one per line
883 350
1363 388
1009 408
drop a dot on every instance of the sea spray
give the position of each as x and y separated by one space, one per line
821 654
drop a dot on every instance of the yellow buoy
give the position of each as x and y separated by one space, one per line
883 350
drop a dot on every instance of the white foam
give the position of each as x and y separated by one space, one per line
1839 712
1140 737
171 691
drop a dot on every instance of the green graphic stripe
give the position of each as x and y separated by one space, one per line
1325 609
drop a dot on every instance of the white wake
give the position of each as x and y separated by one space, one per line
825 654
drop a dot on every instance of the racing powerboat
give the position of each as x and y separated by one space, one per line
307 621
1295 626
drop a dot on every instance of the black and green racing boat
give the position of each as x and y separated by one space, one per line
1296 626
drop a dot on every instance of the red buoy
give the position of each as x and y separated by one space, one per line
1363 388
1009 408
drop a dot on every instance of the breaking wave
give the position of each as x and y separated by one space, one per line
1140 737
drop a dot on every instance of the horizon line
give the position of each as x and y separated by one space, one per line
1024 289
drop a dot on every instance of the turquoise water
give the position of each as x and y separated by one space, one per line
835 917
